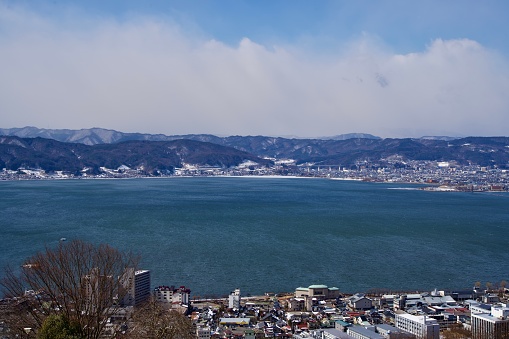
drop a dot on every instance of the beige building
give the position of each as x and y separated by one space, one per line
320 292
309 296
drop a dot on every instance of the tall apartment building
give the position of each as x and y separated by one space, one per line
234 299
99 289
420 326
137 285
493 325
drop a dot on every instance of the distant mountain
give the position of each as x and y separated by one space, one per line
91 136
94 136
352 136
151 156
346 150
445 138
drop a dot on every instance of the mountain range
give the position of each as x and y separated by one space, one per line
95 136
93 148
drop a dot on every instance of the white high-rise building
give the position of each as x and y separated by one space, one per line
234 299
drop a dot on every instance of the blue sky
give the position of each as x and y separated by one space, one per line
302 68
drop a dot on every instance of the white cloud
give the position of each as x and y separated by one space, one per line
147 75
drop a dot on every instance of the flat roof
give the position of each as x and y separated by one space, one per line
365 332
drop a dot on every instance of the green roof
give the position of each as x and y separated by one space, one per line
343 323
318 286
301 289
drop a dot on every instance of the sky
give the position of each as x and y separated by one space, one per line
291 68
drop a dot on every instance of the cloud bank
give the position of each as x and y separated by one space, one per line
148 75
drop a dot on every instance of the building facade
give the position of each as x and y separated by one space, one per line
320 292
493 325
172 295
420 326
137 285
234 299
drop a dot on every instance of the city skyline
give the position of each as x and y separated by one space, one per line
279 68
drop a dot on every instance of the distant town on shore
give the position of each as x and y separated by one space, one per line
438 163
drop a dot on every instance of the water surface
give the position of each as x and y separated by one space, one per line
268 234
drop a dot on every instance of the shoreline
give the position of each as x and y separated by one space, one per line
423 186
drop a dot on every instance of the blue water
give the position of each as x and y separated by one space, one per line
268 234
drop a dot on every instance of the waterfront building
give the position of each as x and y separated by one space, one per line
319 292
461 295
420 326
171 295
493 325
137 285
234 299
310 296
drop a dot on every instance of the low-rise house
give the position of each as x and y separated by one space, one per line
359 302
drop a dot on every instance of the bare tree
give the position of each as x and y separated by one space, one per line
456 331
80 281
155 321
503 284
489 286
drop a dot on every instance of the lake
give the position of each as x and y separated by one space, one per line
269 234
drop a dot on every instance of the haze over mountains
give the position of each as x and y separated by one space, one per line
94 136
72 150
